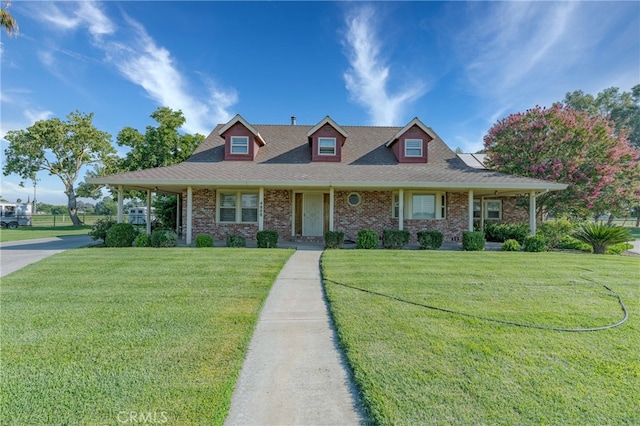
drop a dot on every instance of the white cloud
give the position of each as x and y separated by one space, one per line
135 54
368 77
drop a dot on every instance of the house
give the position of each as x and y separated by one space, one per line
302 180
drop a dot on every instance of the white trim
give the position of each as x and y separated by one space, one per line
327 120
189 214
148 215
239 119
359 199
331 206
484 216
470 206
335 147
120 203
532 213
238 205
513 188
400 208
237 144
407 205
415 122
420 147
261 209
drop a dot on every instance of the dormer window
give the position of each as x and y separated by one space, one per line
326 146
239 145
413 148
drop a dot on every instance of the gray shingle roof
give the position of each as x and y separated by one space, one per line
285 161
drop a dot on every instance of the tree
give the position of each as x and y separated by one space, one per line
622 108
564 145
62 148
106 207
7 21
160 146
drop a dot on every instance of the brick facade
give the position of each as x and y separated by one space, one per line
374 212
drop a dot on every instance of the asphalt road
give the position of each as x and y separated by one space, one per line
15 255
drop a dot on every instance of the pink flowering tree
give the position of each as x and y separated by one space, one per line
561 144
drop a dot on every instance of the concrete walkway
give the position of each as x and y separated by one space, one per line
15 255
294 373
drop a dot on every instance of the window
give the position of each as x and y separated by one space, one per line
492 209
413 148
424 206
326 146
239 145
237 207
421 206
354 199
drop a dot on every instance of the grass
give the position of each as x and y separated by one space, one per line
90 335
419 366
33 232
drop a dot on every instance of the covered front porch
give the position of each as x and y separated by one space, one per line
306 213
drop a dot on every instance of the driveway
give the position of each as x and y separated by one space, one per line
15 255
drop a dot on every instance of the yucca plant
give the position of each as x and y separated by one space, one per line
599 235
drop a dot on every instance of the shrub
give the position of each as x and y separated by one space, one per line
570 243
120 235
511 245
367 239
473 241
430 240
164 238
535 244
554 231
236 241
142 240
333 239
618 248
600 236
100 227
204 241
395 239
500 232
267 239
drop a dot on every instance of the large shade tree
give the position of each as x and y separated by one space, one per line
561 144
61 148
623 108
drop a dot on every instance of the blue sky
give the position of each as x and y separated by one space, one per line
458 66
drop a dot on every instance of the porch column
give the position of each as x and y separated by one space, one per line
331 204
532 212
189 213
148 218
400 209
120 203
471 210
482 213
261 209
178 212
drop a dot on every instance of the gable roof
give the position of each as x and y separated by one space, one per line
286 162
415 122
327 120
239 119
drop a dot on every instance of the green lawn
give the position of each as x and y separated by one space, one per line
32 232
421 366
92 335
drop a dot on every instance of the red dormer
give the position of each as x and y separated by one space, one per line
241 140
410 144
326 140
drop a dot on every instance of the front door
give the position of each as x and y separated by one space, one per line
312 215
